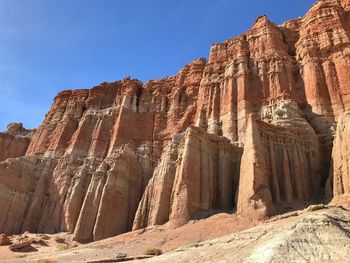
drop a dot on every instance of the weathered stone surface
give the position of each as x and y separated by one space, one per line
21 245
4 240
17 129
280 164
14 142
320 236
198 173
324 57
23 192
112 197
341 161
87 166
127 154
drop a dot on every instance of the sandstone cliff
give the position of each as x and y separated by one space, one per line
249 131
341 161
280 164
198 172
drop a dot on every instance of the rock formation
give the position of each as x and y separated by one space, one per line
198 172
280 164
250 130
14 142
341 160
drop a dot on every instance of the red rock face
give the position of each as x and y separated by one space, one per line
14 142
250 130
323 52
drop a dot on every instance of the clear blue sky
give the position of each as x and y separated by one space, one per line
51 45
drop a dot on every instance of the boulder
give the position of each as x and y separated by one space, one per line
4 240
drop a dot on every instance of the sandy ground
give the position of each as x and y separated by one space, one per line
316 234
129 244
42 244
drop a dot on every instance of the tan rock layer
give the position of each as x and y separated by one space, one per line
198 173
279 165
341 161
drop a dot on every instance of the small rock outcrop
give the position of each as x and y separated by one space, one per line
14 142
4 240
21 245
